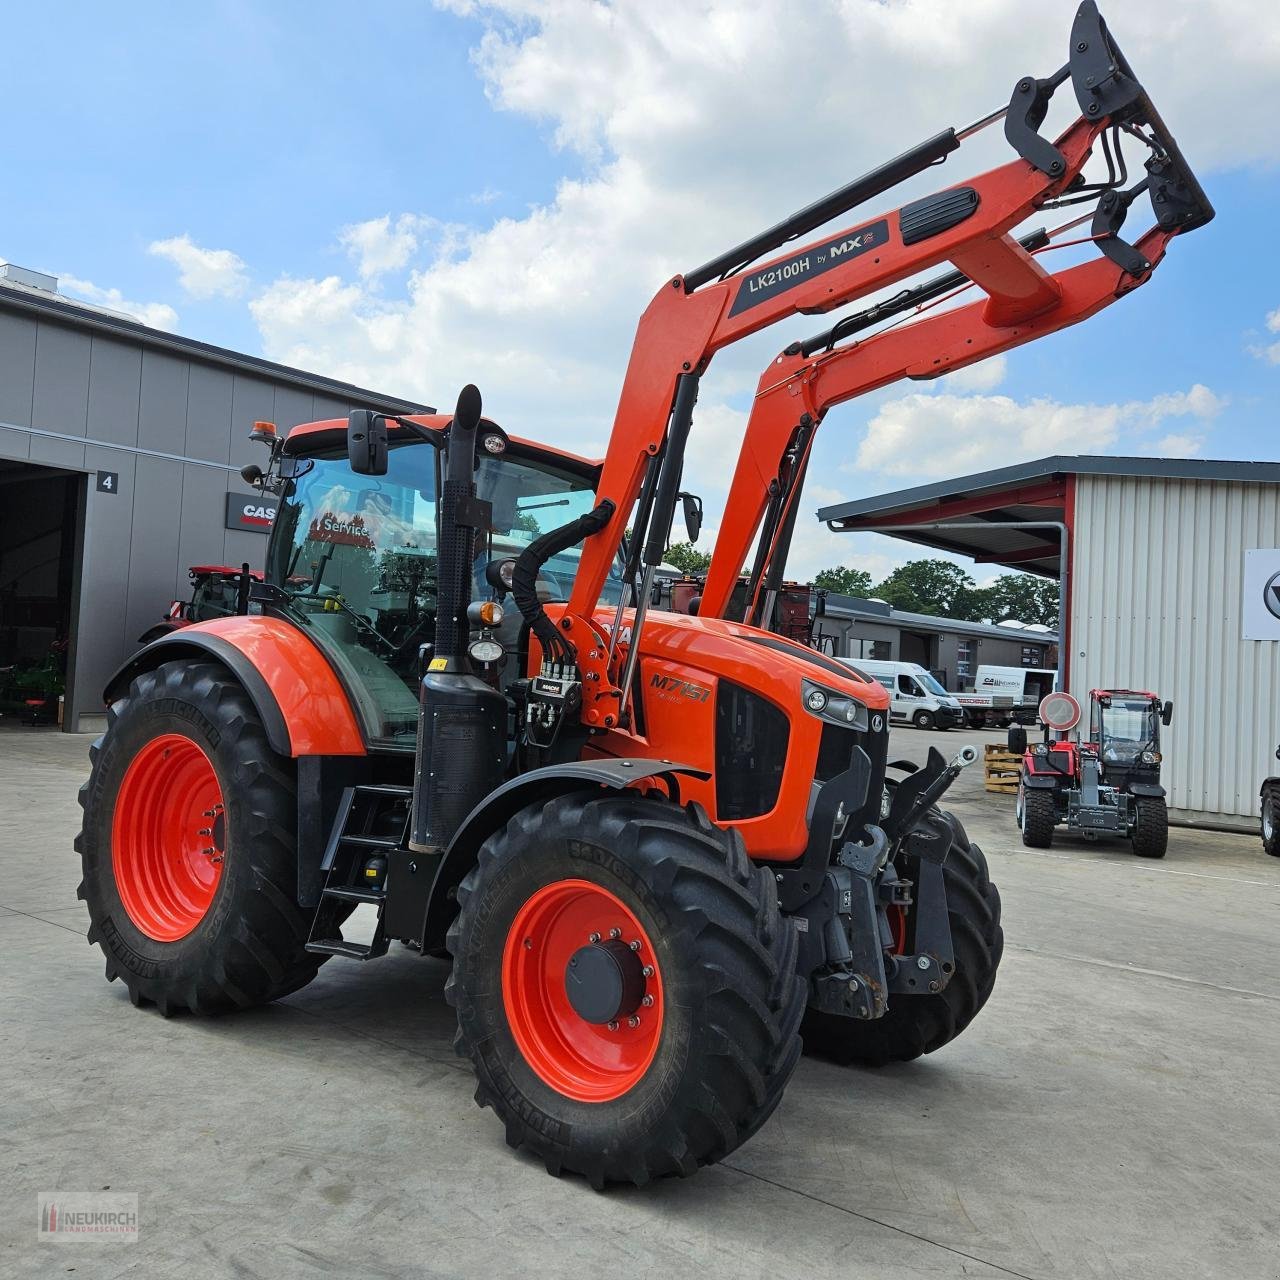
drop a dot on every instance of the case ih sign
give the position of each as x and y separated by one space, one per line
253 512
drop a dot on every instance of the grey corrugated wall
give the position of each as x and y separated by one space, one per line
1156 604
169 512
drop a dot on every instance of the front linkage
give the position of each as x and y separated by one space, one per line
846 894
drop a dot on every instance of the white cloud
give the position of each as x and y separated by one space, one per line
383 244
986 375
159 315
203 273
937 435
680 155
1178 446
1271 352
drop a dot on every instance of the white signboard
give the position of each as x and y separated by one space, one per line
1262 594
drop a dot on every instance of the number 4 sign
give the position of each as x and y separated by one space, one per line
108 481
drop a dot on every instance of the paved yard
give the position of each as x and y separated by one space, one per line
1112 1113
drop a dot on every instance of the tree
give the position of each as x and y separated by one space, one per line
1024 597
846 581
687 558
934 587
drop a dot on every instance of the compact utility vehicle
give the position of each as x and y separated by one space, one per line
1108 784
656 846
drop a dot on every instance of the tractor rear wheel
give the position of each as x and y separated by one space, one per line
1039 817
1151 827
626 987
914 1025
188 847
1271 821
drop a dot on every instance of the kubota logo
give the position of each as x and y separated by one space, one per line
1271 595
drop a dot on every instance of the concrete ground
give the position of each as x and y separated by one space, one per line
1112 1113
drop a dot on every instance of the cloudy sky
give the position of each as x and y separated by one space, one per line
411 197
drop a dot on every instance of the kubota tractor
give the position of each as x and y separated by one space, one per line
658 848
1108 785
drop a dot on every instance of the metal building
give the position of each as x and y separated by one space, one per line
120 451
1170 572
952 649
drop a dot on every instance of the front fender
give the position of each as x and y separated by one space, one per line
304 708
1146 789
1043 781
536 786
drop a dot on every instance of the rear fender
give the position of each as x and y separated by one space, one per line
535 787
304 709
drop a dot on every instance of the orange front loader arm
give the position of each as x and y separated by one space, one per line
968 225
797 389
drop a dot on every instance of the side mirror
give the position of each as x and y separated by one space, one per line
692 506
1017 739
367 442
1166 714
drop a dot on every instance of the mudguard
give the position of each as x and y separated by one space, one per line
1043 781
304 708
538 785
1146 789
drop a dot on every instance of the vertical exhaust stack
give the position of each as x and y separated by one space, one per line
462 721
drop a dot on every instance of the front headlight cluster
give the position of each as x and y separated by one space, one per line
1040 749
835 708
1151 757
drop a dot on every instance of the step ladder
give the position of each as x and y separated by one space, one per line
355 866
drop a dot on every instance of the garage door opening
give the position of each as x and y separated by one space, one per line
39 551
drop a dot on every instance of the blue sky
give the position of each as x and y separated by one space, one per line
544 167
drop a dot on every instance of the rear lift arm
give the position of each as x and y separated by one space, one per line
696 314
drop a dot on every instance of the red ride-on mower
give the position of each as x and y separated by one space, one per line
214 594
1108 785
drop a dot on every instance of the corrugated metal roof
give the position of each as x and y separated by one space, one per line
84 315
842 606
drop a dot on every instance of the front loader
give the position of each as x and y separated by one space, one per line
656 847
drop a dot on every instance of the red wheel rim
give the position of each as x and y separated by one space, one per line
168 837
583 1060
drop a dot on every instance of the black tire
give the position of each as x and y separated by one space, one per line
914 1025
923 719
1270 822
1039 817
727 958
249 946
1151 827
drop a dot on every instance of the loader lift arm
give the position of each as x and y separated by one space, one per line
968 225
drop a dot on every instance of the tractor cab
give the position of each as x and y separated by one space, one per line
1124 732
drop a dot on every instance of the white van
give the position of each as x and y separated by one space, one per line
918 698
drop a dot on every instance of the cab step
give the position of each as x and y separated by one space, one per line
355 866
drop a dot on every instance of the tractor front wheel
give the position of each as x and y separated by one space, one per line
1039 817
913 1024
625 985
1151 827
188 847
1271 821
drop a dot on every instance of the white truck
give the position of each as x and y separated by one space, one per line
917 697
1003 695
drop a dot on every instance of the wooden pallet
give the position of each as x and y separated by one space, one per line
1001 769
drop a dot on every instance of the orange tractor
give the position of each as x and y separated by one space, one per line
658 848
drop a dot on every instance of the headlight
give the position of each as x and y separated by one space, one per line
485 651
1151 757
835 708
1040 749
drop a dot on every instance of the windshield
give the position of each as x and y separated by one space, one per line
1128 729
930 684
357 557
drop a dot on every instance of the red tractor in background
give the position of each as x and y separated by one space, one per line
1108 784
214 594
657 847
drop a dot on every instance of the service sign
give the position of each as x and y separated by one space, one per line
1262 594
252 512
